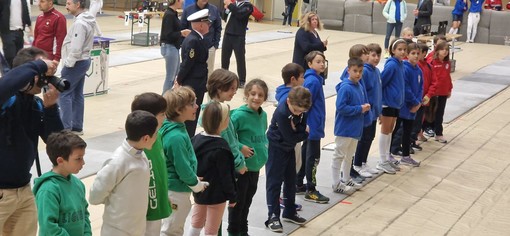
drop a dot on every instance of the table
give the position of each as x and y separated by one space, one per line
146 20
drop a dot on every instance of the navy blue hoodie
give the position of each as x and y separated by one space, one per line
280 133
413 90
317 113
22 124
349 118
392 81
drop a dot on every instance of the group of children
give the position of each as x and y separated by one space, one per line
147 184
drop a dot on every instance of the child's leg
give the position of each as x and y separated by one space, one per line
396 137
198 219
253 179
387 124
238 215
441 105
274 178
338 159
289 186
415 130
213 220
299 161
347 148
181 205
407 125
476 20
302 170
313 156
363 146
152 227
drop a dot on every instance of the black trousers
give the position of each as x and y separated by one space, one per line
401 136
238 45
199 88
441 105
310 158
12 42
238 215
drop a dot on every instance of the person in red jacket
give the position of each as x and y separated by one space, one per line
50 30
429 90
441 71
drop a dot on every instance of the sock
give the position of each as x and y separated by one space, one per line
384 149
455 31
194 231
451 31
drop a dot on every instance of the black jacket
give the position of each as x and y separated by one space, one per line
171 29
21 125
239 18
424 14
216 166
194 54
5 14
280 133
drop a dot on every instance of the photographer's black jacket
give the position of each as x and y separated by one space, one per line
21 124
239 19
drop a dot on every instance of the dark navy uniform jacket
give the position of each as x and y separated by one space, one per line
194 54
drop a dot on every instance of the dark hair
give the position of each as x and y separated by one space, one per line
395 43
62 144
214 113
354 61
412 46
311 55
423 47
220 80
82 3
374 47
301 97
441 46
258 82
291 70
177 100
26 55
140 123
357 50
439 37
151 102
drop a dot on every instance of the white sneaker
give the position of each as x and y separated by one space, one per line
386 167
353 184
369 169
342 188
362 172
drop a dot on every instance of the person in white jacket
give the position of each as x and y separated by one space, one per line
76 57
395 12
123 182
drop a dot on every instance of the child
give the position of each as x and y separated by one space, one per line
59 195
473 19
250 124
407 33
293 75
413 78
457 15
437 40
351 104
429 91
181 162
311 150
441 70
371 81
159 205
216 166
128 169
288 127
356 51
392 85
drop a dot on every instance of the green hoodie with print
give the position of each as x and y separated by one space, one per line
61 205
229 134
181 161
251 126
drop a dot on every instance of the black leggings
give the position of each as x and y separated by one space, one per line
441 105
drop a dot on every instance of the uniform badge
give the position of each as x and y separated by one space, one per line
192 53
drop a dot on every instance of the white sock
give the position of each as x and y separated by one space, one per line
384 149
194 231
451 31
456 31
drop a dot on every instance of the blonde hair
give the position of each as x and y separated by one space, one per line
405 31
305 21
177 100
214 114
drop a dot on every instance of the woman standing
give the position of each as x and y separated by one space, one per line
307 38
171 39
395 12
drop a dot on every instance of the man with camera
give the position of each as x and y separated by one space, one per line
24 118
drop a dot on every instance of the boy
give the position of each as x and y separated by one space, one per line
351 104
59 195
371 81
123 181
288 127
159 205
293 75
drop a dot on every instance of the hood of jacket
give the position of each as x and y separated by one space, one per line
55 178
281 92
205 145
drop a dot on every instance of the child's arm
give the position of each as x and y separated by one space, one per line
386 75
411 99
343 103
236 121
290 135
48 213
182 165
106 180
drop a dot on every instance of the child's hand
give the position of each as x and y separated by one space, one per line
325 42
307 129
243 170
247 151
231 204
365 107
425 100
415 108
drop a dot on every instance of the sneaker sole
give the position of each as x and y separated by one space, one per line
275 230
293 221
316 201
409 164
387 172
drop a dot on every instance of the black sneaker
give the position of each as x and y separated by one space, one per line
300 190
429 132
241 84
416 147
274 225
296 219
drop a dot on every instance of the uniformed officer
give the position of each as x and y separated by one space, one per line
194 54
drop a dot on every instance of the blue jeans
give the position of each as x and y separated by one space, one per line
389 30
289 9
72 101
172 63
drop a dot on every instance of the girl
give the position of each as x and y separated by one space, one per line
250 123
413 78
395 12
181 162
457 14
441 70
216 166
392 85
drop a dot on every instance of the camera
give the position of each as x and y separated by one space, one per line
60 84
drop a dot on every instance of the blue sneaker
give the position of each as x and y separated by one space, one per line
298 206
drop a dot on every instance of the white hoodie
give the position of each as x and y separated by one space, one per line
79 39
